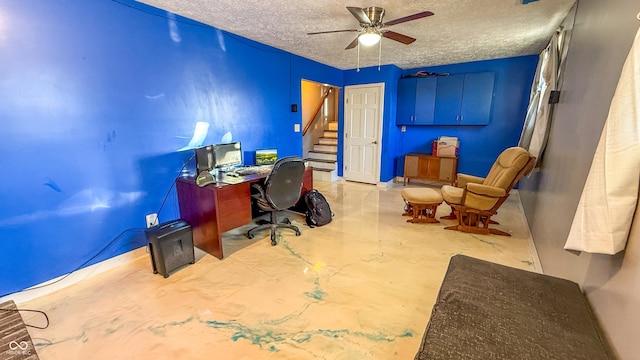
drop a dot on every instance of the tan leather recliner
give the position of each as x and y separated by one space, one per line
474 199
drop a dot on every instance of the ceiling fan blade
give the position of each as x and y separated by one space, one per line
419 15
352 44
398 37
332 31
359 14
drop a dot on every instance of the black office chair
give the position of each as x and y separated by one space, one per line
280 191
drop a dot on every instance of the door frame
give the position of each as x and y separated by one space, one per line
381 86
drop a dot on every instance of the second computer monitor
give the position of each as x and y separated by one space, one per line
228 155
266 156
205 158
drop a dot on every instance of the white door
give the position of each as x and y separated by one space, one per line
363 105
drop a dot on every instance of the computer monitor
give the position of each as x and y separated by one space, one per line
266 156
227 155
205 158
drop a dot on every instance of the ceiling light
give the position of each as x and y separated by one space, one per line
369 37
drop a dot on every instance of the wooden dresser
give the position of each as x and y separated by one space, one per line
430 167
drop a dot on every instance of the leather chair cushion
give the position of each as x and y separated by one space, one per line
452 194
507 167
421 196
464 179
482 197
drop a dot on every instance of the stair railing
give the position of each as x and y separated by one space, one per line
315 113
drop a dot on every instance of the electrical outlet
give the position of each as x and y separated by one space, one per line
152 220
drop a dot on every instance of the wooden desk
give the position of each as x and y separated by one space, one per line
216 208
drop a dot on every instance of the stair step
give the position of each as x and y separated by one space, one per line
325 175
328 141
332 125
323 155
322 164
331 134
325 148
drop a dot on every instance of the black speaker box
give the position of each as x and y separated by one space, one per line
170 246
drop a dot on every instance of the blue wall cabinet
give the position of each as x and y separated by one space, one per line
416 101
464 99
406 101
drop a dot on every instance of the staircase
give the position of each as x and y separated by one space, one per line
324 156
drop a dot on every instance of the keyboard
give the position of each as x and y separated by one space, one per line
253 169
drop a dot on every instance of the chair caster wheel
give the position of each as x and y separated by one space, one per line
297 233
287 221
274 241
250 236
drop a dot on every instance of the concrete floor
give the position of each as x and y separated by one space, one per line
361 287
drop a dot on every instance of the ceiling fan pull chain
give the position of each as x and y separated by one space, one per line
379 54
358 69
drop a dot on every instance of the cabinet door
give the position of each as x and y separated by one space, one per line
406 101
429 167
477 97
425 101
410 166
448 99
447 169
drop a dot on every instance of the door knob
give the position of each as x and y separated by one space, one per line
374 142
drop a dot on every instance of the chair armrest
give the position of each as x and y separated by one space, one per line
486 190
482 197
464 179
260 189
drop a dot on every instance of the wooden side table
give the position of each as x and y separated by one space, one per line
430 167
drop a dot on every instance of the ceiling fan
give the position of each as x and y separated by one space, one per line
372 28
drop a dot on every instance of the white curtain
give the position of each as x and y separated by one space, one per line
534 133
608 202
548 78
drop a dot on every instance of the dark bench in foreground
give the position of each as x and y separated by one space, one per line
490 311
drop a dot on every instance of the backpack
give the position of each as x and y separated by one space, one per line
318 211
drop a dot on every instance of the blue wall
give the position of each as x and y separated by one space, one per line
96 100
389 75
481 145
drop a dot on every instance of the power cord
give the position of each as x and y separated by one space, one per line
35 311
107 246
81 266
184 165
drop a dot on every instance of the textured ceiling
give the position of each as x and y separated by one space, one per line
460 31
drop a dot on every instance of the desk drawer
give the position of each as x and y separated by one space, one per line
234 206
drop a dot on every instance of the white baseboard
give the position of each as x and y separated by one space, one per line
63 281
532 246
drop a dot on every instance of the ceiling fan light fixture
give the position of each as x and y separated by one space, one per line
369 38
